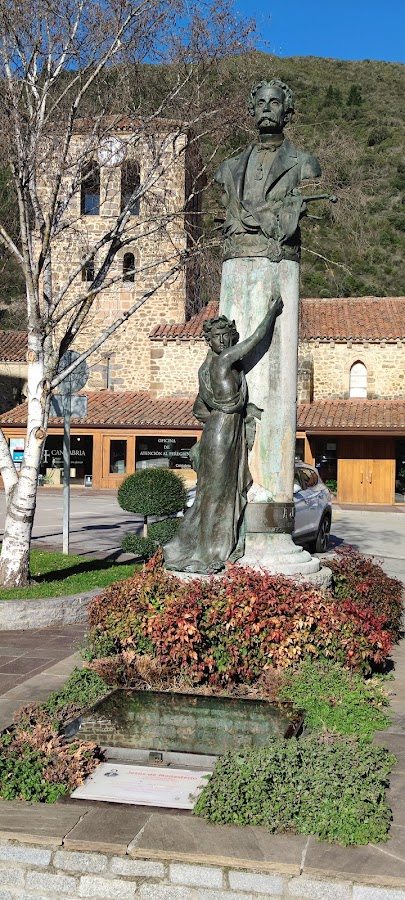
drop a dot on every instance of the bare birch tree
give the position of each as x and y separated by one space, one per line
70 71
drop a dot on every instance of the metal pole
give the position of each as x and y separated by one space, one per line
66 472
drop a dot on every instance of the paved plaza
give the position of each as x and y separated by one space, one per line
98 525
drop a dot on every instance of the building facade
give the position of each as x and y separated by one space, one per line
351 404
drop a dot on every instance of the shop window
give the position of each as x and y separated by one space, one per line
81 459
400 471
118 457
128 273
88 270
130 181
171 452
90 190
299 449
326 457
358 380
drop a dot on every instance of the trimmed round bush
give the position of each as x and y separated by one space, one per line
153 492
159 533
163 532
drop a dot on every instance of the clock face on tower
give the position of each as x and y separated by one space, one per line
111 152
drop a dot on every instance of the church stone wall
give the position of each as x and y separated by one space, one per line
174 367
385 363
158 233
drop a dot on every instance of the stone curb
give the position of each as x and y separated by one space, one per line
38 851
18 615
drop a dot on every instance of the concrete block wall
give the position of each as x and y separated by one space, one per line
31 872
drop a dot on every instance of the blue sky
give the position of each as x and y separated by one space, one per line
342 29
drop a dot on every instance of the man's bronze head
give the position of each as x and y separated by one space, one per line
261 92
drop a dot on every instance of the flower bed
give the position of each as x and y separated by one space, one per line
245 633
230 629
36 762
362 580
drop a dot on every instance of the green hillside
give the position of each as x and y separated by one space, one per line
350 114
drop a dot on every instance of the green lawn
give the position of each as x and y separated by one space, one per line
55 574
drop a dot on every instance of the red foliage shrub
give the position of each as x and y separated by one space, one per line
230 629
363 581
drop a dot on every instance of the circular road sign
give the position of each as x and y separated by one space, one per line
77 379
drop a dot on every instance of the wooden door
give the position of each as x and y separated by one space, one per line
380 471
366 470
351 477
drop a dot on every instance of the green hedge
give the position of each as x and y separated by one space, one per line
159 533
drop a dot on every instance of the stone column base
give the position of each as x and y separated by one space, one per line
278 555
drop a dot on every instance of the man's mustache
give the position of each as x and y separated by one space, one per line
269 117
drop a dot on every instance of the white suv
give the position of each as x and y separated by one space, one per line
313 508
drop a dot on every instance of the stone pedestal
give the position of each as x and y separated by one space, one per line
247 287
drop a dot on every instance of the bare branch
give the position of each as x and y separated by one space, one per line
112 328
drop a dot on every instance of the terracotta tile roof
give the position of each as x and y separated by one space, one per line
13 346
352 416
128 409
186 330
356 318
351 318
136 409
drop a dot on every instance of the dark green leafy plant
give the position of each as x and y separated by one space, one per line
333 788
22 776
82 689
335 699
159 533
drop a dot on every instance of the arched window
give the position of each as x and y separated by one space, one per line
88 270
128 267
90 190
358 380
130 181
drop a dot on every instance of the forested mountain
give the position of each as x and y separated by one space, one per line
352 116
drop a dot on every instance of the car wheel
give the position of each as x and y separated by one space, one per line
320 544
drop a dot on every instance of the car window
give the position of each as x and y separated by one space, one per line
308 477
297 480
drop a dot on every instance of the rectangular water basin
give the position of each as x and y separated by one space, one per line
184 723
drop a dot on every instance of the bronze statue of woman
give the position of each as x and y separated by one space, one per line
211 532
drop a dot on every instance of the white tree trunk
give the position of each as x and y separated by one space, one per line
21 498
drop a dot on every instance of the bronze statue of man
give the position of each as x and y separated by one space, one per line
262 203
